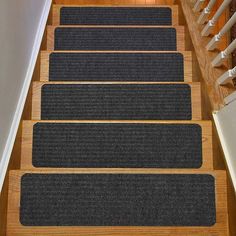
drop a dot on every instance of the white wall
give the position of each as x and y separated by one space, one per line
22 23
225 120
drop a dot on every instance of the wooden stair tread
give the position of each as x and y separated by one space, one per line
115 2
44 62
57 8
219 228
27 139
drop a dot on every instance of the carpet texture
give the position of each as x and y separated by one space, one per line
115 16
117 102
146 39
165 67
117 200
71 145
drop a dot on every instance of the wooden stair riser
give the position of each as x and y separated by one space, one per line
116 2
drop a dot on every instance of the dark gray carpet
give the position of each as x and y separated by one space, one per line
115 16
117 145
164 67
146 39
117 200
117 102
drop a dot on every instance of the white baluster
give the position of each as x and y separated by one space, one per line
223 55
211 23
212 44
197 6
230 98
227 76
205 13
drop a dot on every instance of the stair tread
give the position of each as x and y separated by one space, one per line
51 147
115 3
126 66
135 66
63 101
115 15
118 38
220 226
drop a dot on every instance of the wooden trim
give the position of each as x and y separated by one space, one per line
57 8
27 140
179 29
195 96
44 69
114 2
14 227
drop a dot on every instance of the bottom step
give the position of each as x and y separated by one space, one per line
177 202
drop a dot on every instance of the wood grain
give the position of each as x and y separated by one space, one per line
114 2
207 163
14 227
195 96
57 8
179 29
44 72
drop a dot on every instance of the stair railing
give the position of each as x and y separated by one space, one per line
219 59
211 23
213 43
206 12
197 6
213 51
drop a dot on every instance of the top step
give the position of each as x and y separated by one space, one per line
115 15
115 2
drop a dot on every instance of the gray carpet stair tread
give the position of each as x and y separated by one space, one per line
117 102
163 67
117 200
141 39
70 145
115 16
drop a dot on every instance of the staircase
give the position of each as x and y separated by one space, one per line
116 144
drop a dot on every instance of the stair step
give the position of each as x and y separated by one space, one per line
94 144
115 15
110 66
137 38
115 2
116 101
180 203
